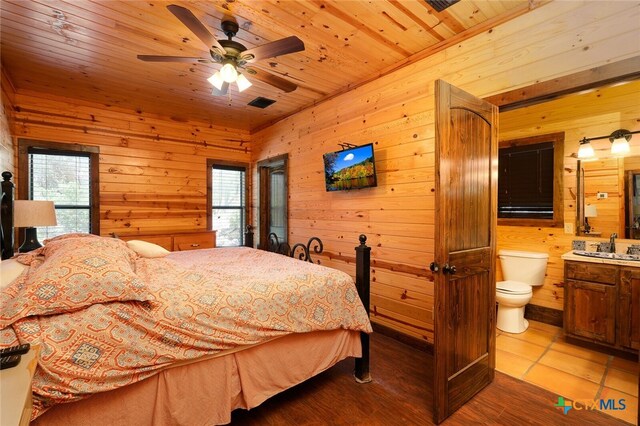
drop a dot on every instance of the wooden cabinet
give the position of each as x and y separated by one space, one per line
602 304
179 242
629 300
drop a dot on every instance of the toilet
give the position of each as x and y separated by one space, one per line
521 270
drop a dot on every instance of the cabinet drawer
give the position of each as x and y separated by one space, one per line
605 274
193 242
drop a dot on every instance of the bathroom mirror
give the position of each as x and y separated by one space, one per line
609 194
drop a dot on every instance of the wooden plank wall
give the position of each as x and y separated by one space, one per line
396 112
7 153
152 169
592 114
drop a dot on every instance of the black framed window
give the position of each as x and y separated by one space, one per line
228 204
66 174
525 181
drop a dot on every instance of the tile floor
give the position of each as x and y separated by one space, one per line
541 356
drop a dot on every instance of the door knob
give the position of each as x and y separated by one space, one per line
448 269
434 267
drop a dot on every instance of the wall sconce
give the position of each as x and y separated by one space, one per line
31 213
619 144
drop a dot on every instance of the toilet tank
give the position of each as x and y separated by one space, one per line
524 266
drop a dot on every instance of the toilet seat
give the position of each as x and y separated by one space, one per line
513 287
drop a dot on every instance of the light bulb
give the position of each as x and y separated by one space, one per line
229 73
216 80
586 150
620 146
242 83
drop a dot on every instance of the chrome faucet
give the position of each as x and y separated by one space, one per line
612 243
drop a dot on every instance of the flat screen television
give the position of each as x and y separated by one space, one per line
352 168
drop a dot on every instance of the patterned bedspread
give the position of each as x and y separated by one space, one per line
201 302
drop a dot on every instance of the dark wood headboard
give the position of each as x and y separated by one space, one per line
6 215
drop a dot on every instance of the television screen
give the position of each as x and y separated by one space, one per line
351 168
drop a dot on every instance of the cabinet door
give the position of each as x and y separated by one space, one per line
629 300
591 310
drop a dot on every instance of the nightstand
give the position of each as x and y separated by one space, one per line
15 390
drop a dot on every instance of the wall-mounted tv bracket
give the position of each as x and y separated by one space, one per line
347 145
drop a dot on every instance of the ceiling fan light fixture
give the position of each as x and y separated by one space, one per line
243 83
216 80
229 72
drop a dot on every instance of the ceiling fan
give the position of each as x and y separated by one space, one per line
233 56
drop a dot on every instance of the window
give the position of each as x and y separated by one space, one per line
67 175
530 180
228 201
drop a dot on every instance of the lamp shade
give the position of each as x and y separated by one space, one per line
586 150
590 211
31 213
620 146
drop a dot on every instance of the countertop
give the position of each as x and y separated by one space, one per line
570 256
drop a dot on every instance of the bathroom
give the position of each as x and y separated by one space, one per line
541 354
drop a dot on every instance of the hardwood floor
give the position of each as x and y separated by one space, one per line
401 394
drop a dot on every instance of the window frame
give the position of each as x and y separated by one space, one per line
31 146
558 180
230 164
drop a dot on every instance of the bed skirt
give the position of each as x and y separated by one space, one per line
205 392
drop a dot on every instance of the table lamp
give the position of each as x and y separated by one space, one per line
31 213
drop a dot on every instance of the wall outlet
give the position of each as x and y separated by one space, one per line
602 195
568 228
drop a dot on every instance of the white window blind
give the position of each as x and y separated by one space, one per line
65 180
228 209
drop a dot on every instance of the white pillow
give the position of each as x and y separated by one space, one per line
146 249
10 269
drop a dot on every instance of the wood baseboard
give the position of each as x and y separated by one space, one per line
543 314
414 342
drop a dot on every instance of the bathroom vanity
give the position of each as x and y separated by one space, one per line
602 300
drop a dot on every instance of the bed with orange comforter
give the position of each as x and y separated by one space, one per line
106 318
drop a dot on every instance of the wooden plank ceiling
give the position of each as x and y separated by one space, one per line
86 49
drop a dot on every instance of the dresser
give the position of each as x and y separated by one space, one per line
179 241
15 397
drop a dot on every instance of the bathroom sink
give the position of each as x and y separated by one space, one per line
612 256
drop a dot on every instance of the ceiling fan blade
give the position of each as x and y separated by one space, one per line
273 80
155 58
275 48
190 21
223 91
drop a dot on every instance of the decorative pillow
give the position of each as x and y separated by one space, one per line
10 269
146 249
74 273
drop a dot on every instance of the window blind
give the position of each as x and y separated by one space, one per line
525 183
64 179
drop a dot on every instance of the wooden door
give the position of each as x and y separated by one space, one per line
629 312
591 310
466 200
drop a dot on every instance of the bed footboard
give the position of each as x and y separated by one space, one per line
363 282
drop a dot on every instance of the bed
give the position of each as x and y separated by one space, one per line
187 338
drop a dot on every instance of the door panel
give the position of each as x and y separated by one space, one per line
466 193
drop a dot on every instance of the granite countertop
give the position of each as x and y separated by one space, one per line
571 256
